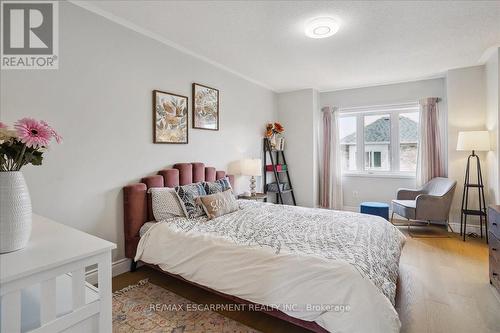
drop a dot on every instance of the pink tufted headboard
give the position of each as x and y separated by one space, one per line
137 204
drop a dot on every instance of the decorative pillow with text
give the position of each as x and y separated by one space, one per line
219 204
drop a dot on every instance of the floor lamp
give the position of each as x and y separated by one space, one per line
473 141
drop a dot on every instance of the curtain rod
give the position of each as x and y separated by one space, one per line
380 106
392 105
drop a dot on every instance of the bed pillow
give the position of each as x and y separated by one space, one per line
217 186
187 195
165 203
219 204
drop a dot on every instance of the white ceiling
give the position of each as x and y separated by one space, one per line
378 42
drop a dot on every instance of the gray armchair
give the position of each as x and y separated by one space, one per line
432 202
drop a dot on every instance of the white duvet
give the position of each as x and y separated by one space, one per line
313 264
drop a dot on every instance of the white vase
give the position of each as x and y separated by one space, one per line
273 141
15 212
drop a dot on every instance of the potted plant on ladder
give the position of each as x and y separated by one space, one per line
23 144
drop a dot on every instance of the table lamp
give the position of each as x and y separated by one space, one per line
252 168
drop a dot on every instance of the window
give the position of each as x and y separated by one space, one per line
381 139
373 160
408 139
347 130
377 142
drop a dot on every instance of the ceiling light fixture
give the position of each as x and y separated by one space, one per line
321 27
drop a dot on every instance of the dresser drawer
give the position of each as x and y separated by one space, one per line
494 245
495 272
494 222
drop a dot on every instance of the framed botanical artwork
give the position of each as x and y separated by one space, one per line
205 107
170 117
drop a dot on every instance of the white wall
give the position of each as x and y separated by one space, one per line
465 88
357 189
296 111
100 101
492 73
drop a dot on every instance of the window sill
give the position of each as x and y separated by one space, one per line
379 175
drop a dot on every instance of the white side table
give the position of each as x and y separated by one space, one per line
43 288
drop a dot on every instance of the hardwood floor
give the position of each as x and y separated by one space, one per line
443 287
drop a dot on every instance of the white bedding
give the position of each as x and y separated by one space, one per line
269 254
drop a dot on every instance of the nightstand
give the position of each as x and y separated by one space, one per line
256 197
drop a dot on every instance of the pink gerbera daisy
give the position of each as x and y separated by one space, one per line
52 132
32 133
2 125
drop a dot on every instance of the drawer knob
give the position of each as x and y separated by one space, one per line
493 249
495 274
495 224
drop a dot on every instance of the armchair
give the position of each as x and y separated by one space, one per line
432 202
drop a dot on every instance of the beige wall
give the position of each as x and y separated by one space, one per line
465 89
296 111
100 101
492 77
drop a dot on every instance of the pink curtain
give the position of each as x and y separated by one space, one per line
330 183
430 162
326 158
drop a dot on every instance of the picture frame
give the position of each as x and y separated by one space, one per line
205 107
170 118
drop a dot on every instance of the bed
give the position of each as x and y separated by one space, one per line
327 271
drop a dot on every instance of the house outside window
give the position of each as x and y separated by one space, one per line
380 139
373 159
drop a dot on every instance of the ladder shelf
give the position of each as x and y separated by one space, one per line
275 156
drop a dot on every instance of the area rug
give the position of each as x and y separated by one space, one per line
145 307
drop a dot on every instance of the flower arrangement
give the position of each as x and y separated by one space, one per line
273 129
25 143
273 134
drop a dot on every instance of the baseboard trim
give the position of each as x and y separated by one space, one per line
118 267
471 228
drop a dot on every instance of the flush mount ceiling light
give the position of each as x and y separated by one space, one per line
321 27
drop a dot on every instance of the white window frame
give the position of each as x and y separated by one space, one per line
393 110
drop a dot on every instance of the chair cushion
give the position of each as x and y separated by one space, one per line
439 186
404 208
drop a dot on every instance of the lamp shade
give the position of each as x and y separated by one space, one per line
251 167
473 140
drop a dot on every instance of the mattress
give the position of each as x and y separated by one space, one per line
336 268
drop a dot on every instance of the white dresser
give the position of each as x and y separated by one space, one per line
43 288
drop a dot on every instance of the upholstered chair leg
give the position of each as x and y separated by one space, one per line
392 218
133 266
